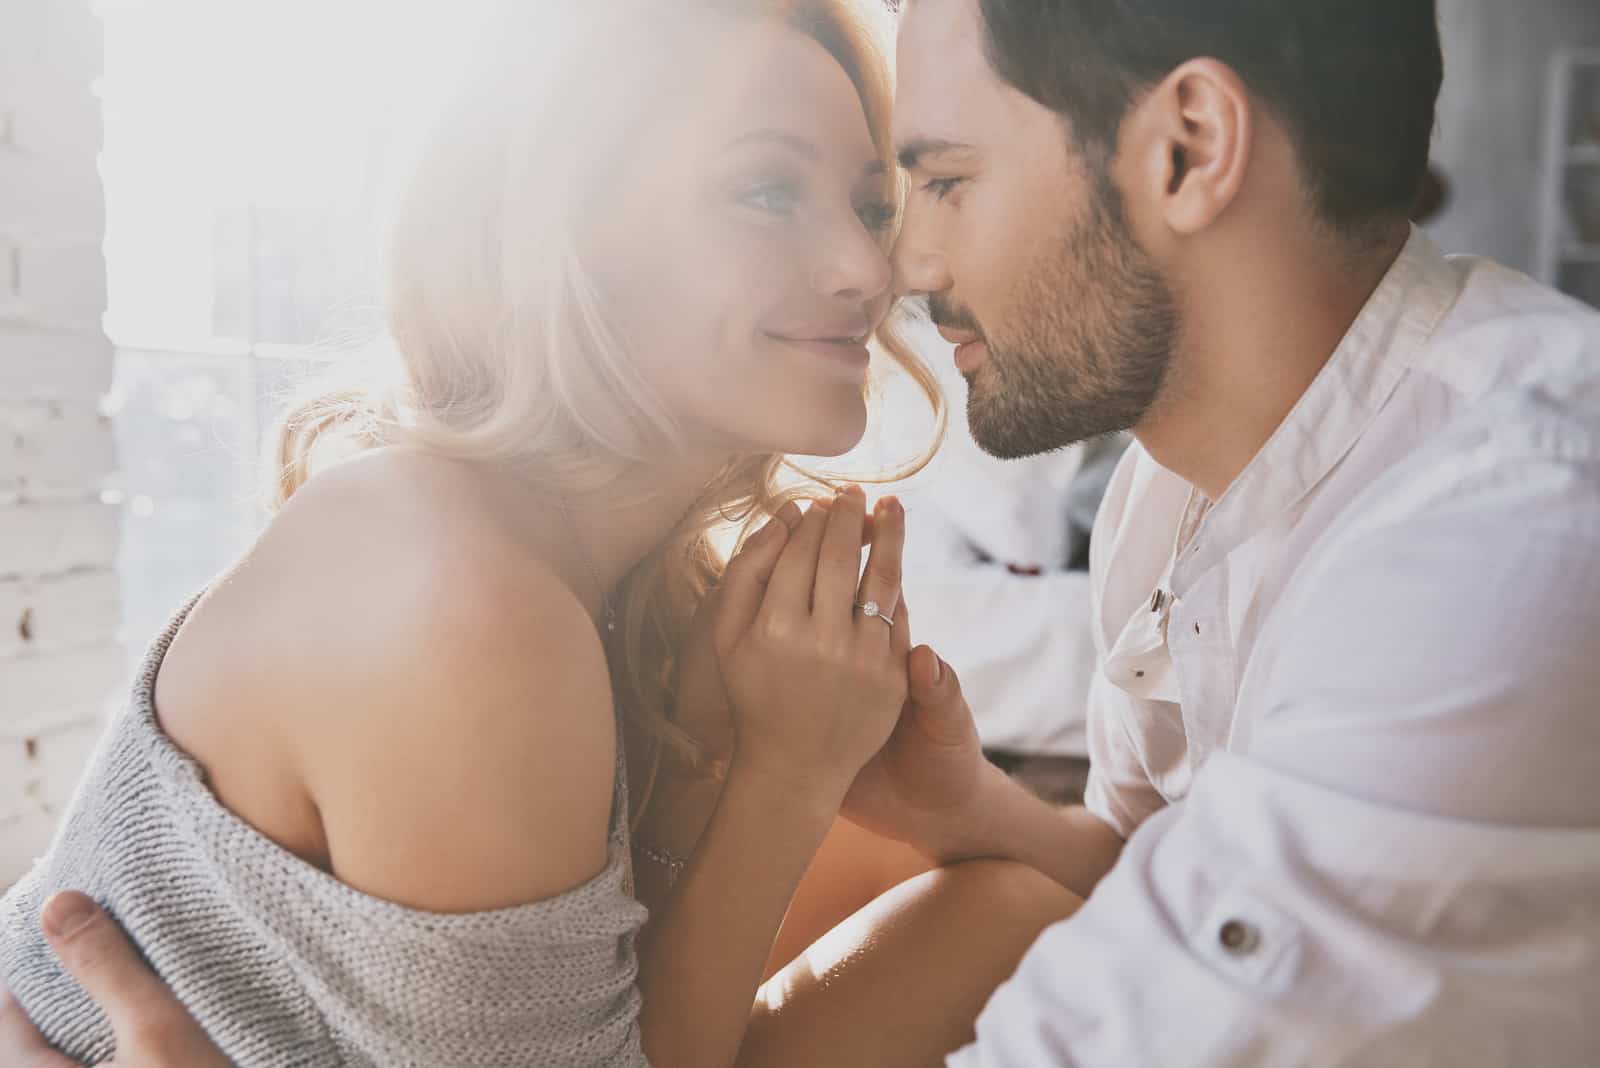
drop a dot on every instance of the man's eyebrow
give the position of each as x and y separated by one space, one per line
913 153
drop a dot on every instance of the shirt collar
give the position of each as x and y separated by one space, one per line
1335 410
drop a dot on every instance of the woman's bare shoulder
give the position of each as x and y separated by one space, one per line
386 549
430 686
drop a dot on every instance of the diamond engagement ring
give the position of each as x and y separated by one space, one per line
871 610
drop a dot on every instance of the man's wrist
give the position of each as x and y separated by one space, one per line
976 830
1070 844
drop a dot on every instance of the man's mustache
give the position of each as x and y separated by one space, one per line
946 313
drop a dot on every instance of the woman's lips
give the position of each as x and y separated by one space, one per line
846 353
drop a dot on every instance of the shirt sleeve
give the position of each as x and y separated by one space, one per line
1399 865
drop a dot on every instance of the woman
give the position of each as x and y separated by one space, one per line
371 803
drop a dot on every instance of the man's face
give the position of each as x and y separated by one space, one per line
1065 327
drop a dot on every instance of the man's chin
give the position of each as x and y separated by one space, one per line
1012 435
997 434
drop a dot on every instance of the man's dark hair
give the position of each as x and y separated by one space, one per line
1355 82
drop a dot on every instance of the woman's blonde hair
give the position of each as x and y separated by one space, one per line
506 352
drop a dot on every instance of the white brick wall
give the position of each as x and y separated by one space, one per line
59 613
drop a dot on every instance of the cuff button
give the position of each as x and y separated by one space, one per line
1239 938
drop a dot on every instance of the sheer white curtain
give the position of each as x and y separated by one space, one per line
246 146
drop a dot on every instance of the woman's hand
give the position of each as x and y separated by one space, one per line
816 684
152 1029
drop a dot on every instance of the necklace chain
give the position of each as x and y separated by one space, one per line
594 572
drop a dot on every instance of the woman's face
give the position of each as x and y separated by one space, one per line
741 248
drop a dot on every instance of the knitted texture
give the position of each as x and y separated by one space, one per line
286 966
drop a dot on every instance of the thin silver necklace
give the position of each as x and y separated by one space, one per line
588 563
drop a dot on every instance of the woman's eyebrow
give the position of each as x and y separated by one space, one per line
794 142
873 168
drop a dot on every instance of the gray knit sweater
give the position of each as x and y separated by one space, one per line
284 965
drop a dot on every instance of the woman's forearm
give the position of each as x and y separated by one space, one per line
674 821
702 957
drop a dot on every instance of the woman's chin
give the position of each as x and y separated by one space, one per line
800 429
834 434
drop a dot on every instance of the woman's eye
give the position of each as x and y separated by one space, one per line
877 216
939 188
779 198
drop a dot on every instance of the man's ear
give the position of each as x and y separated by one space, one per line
1189 143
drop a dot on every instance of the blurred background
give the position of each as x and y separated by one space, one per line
188 198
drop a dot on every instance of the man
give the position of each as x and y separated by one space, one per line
1346 591
1343 585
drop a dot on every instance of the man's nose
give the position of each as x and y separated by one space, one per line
920 266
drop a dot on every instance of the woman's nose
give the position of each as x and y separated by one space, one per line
854 267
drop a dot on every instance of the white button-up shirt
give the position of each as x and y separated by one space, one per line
1349 718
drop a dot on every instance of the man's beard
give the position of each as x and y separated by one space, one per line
1092 344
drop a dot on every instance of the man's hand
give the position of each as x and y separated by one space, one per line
152 1029
926 786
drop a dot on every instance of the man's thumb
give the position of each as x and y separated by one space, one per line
932 681
95 952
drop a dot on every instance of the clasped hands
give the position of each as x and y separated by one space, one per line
828 699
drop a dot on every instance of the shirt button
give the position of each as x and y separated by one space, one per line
1239 938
